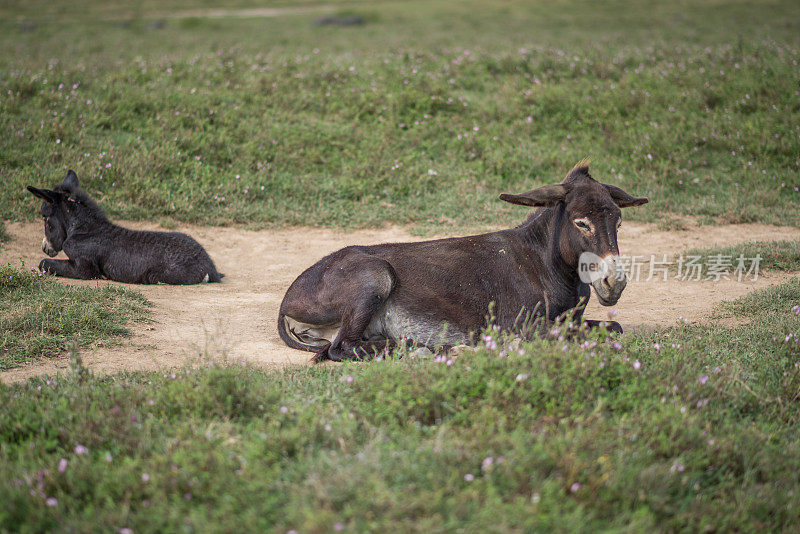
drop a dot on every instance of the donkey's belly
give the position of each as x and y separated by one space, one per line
394 322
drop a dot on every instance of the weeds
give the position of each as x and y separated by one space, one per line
682 428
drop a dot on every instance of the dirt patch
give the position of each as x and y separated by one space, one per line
259 12
238 316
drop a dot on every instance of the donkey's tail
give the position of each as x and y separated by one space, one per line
213 275
302 336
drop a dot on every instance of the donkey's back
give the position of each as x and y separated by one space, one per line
145 257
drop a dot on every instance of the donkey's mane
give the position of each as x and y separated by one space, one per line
580 169
80 195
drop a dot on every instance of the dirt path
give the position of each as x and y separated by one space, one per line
238 316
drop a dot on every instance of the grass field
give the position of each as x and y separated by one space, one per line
687 428
421 116
41 317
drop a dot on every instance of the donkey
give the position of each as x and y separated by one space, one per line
362 300
97 248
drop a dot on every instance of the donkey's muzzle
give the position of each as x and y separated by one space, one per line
49 249
609 290
607 277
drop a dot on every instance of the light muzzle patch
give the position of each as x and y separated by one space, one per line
48 248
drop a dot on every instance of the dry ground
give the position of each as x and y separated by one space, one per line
239 315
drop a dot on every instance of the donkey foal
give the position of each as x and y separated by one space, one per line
97 248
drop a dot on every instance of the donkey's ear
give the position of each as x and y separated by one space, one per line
72 179
623 199
545 196
44 194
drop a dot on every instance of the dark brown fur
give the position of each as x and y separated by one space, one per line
97 248
437 293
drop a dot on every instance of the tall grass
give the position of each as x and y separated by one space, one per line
685 428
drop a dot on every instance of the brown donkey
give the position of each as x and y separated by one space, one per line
364 299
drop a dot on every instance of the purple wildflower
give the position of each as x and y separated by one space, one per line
487 463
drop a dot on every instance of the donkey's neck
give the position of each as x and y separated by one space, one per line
543 232
91 225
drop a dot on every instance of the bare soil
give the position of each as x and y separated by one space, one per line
238 317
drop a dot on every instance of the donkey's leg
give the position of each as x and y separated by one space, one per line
359 350
585 293
361 285
80 268
611 326
339 294
181 276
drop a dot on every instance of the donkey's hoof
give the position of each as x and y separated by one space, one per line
613 326
321 355
44 266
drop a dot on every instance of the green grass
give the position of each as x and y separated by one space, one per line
422 116
694 104
766 305
41 317
698 433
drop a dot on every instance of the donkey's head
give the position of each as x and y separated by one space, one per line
65 208
588 230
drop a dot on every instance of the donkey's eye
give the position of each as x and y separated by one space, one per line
584 225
